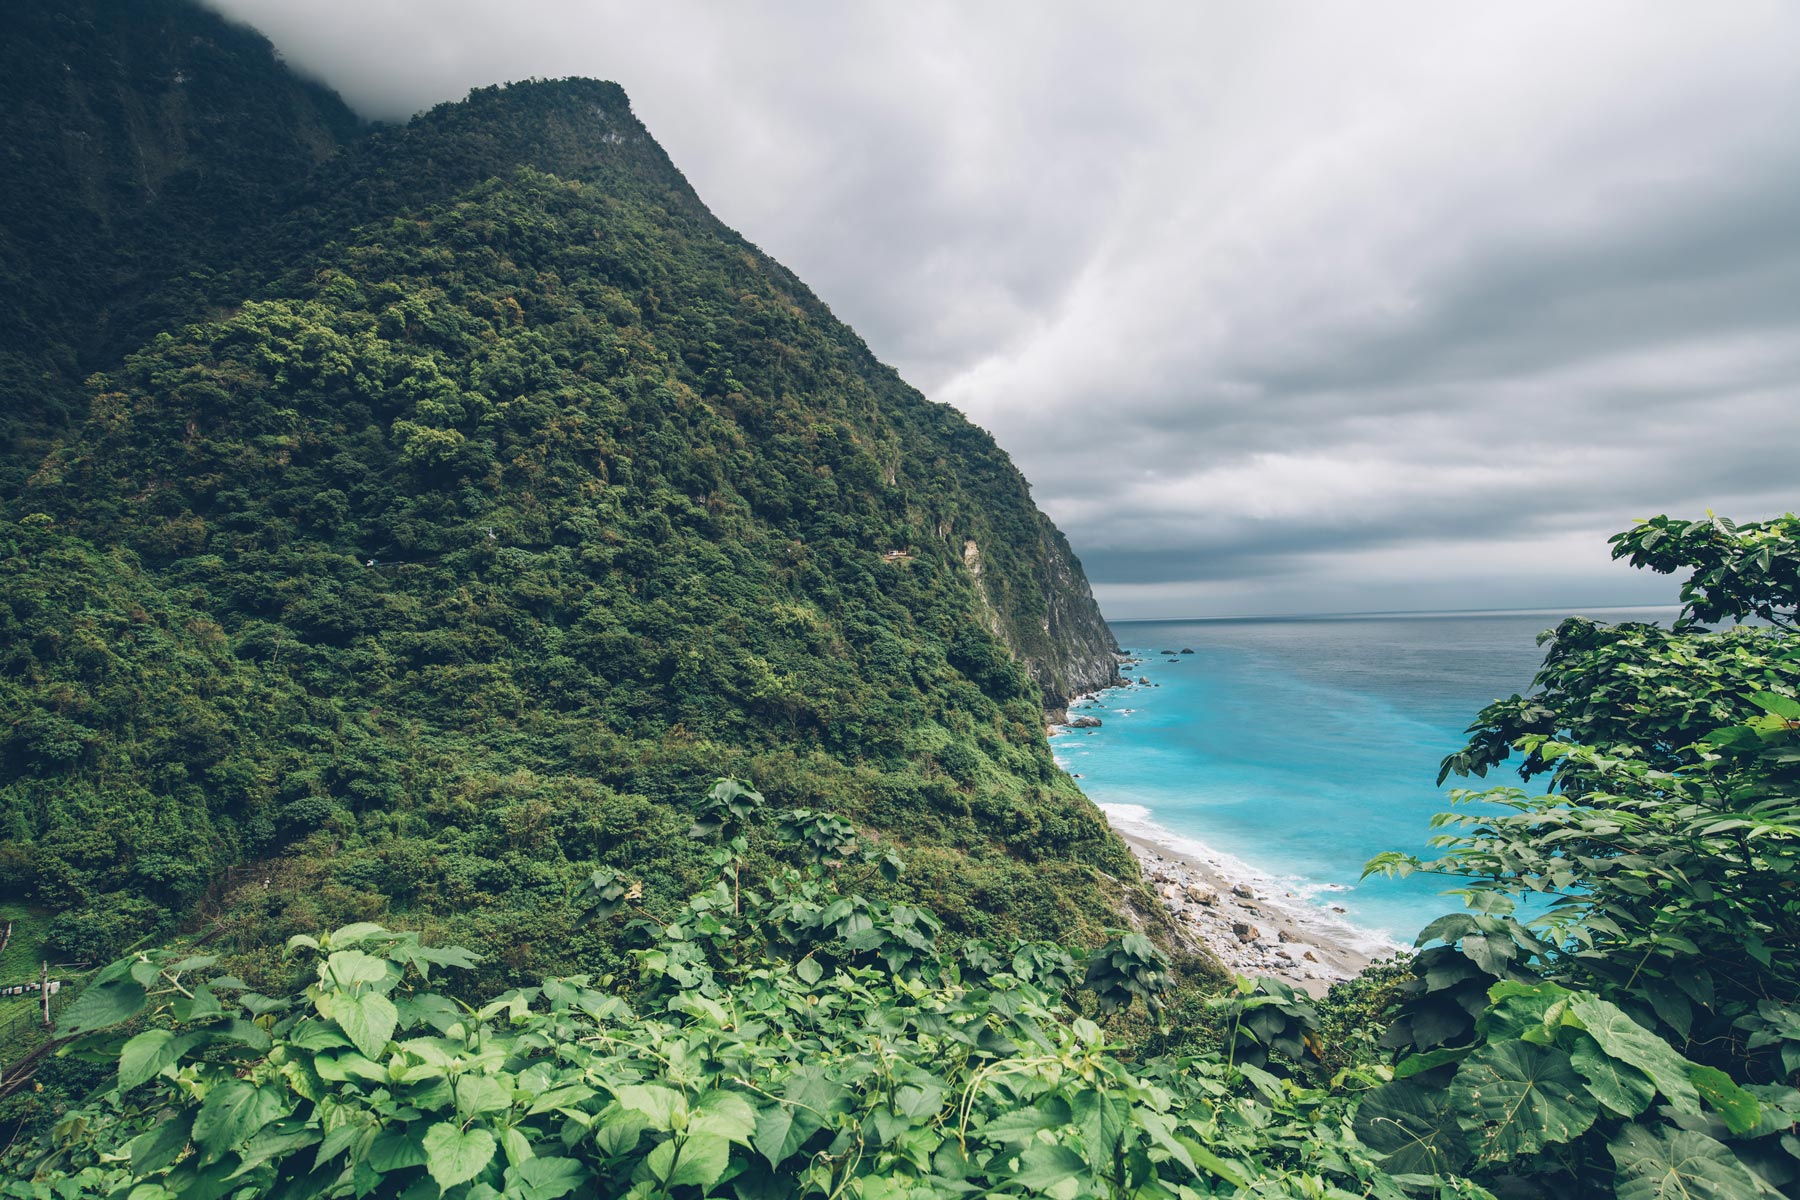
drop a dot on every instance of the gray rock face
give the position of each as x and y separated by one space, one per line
1037 600
1082 654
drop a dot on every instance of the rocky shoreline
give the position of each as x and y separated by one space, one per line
1251 927
1252 932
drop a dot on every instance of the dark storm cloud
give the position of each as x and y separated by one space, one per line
1283 307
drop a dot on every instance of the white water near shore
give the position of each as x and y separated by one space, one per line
1280 756
1289 897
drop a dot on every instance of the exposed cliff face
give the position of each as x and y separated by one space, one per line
1068 649
1081 655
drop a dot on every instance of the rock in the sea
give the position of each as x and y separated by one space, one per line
1085 723
1144 679
1338 908
1186 650
1242 890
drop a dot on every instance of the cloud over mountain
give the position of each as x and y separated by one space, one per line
1280 307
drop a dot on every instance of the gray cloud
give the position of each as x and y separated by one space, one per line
1281 307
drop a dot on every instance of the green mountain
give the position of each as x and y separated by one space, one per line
447 516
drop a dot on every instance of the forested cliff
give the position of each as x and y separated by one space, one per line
454 502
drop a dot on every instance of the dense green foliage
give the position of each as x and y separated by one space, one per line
776 1037
146 147
789 1032
1665 970
487 509
1734 570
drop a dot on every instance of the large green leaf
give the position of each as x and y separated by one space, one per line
1681 1166
481 1094
160 1145
702 1159
1516 1098
1615 1083
1739 1108
455 1155
1415 1127
1624 1039
1020 1126
659 1105
101 1006
620 1132
395 1150
352 967
781 1129
233 1110
1043 1165
545 1178
808 1098
368 1020
725 1114
145 1055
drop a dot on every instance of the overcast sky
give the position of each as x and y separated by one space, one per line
1281 307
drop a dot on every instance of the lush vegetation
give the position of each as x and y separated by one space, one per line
1646 1024
450 499
788 1032
147 146
486 510
774 1037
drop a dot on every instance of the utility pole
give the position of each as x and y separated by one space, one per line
44 989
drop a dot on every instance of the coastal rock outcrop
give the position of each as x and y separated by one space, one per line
1042 607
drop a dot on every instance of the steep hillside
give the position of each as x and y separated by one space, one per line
143 143
516 500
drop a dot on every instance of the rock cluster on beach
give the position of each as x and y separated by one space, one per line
1246 932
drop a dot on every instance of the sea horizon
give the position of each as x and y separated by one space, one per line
1422 613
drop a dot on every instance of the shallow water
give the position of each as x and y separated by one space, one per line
1302 747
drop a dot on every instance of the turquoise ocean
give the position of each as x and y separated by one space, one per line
1288 751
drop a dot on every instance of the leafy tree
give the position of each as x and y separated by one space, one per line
1643 1024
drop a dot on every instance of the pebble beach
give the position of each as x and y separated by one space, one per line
1253 932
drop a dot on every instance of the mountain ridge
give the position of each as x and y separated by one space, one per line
478 490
